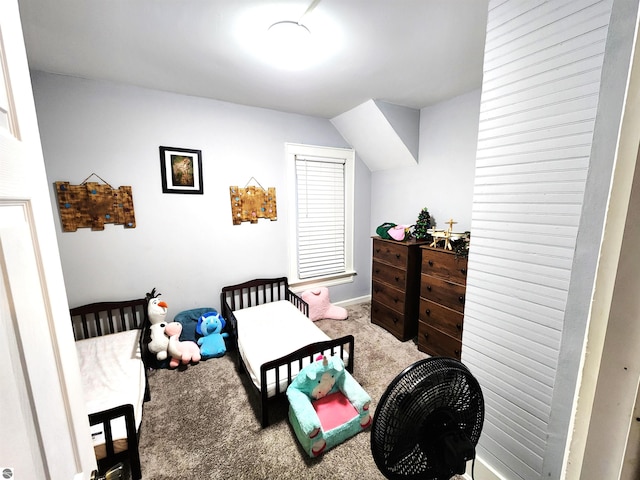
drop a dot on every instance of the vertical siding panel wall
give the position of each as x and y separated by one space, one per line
542 68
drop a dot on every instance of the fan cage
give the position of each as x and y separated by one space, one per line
418 413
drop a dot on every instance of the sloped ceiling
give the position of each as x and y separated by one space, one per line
384 135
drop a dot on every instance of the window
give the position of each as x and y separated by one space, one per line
321 181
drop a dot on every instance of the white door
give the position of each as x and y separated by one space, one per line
44 431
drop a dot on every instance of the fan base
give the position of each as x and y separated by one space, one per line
457 450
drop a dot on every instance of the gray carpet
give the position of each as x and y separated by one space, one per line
201 422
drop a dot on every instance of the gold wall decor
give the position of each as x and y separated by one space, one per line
93 204
251 203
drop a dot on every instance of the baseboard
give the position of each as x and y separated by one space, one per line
353 301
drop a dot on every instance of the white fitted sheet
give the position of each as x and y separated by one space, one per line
112 374
270 331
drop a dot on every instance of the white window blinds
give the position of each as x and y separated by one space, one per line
320 184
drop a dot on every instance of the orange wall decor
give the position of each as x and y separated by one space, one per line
93 204
251 203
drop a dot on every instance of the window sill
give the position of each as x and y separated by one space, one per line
328 281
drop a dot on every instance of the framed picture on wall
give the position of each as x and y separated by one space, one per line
181 170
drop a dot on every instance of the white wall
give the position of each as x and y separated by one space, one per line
184 245
443 179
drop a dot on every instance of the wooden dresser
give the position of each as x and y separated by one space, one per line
395 286
442 293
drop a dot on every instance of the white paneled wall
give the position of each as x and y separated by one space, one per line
542 68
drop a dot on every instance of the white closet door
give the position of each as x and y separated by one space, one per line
45 431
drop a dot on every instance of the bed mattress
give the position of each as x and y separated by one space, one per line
269 331
112 374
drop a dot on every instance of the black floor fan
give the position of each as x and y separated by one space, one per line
428 421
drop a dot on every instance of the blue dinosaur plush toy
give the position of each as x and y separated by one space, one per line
211 343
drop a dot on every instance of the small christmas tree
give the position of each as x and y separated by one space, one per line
422 225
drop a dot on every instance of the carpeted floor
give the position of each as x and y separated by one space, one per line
201 422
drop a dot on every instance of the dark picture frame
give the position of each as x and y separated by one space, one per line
181 170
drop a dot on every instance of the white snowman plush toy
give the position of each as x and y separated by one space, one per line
157 311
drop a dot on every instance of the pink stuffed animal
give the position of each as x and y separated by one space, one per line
180 352
320 307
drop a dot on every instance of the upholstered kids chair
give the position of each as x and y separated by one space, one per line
326 405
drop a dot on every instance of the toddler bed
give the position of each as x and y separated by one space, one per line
273 336
110 345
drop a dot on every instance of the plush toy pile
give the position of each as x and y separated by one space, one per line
166 343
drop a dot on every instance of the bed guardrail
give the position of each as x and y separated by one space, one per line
110 454
342 347
103 318
259 291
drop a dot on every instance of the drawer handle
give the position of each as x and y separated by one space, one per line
457 352
377 270
428 311
461 298
377 250
429 287
395 320
397 279
463 271
398 255
396 300
458 326
430 262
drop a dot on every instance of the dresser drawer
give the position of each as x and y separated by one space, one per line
436 343
391 253
444 319
389 296
440 291
391 275
393 321
445 265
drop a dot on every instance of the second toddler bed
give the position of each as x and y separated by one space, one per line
111 354
274 337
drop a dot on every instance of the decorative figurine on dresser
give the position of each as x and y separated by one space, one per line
443 283
395 286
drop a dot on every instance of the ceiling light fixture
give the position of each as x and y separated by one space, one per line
290 41
288 36
299 23
269 33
